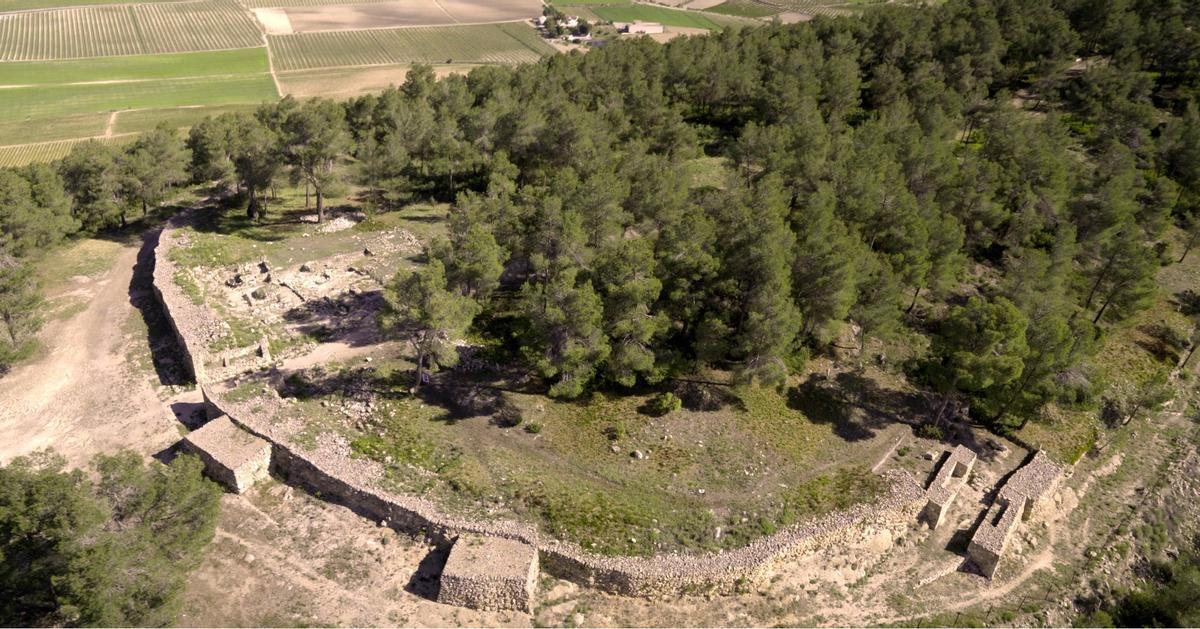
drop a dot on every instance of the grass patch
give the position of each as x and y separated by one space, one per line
86 258
692 491
136 68
54 101
645 13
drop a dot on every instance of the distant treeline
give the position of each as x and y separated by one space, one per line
947 173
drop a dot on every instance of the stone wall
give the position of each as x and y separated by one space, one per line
332 474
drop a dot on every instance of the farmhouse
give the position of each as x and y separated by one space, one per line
639 27
232 456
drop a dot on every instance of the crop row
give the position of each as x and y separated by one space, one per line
263 4
488 43
42 152
126 30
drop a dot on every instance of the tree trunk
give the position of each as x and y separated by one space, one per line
306 194
144 209
1102 309
1189 356
320 206
912 305
420 370
252 208
1188 247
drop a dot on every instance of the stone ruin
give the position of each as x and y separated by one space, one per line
950 479
489 573
232 456
1022 497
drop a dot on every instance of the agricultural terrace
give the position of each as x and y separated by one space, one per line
126 30
615 473
489 43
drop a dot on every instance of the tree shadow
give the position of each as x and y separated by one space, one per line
168 359
346 318
856 406
1162 342
1188 302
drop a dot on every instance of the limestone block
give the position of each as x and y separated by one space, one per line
489 573
232 456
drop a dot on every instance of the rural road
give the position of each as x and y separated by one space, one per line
85 393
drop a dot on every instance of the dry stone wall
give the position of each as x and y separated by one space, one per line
331 473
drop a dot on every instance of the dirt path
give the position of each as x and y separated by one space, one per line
85 394
112 123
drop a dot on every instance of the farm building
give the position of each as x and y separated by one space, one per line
639 27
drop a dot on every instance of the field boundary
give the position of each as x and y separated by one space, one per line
331 474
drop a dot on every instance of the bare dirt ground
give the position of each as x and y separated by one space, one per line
85 394
352 82
408 13
274 21
283 558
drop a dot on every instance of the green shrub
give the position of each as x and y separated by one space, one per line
929 431
664 403
533 428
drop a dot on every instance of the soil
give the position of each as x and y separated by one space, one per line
82 395
408 13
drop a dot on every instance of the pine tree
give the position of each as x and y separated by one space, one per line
423 311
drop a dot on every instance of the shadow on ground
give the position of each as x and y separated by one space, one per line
164 348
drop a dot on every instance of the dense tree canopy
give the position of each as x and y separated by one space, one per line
110 552
744 199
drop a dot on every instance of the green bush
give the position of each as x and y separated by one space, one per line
929 431
533 428
664 403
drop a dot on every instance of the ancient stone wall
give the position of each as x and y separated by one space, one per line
183 315
354 482
329 472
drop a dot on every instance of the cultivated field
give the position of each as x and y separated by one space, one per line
350 82
19 155
135 68
57 100
646 13
744 8
492 43
64 100
126 30
262 4
408 13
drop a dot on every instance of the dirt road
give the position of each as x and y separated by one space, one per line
87 392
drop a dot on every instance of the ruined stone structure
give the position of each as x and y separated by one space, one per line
232 456
329 471
949 480
490 573
1024 496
